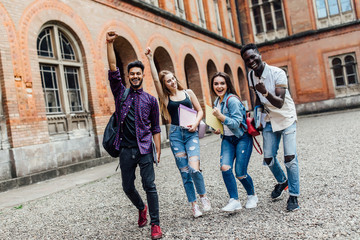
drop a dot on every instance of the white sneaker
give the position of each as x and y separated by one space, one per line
251 201
206 204
232 205
196 211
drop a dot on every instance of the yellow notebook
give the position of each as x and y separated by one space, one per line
212 121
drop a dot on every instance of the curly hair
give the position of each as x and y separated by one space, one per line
247 47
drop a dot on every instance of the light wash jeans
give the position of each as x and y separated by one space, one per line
186 147
240 149
271 146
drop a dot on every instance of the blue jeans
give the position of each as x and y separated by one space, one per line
129 159
240 149
186 148
271 146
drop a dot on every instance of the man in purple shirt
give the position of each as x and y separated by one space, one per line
138 118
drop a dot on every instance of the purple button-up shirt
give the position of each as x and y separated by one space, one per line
146 113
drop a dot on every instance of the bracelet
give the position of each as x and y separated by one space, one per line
266 94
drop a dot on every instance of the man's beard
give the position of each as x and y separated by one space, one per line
137 85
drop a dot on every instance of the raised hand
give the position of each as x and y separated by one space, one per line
110 38
148 53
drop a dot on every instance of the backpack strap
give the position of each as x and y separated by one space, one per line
122 100
124 96
252 81
258 148
233 95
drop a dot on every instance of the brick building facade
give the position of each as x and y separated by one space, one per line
317 43
55 97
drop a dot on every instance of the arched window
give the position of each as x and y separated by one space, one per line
62 79
350 70
338 72
344 70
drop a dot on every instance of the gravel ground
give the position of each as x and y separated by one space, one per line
328 149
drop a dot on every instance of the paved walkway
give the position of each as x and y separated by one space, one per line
91 204
20 195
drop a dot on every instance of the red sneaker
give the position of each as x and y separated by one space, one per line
142 217
155 232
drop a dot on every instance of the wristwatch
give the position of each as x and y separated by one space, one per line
266 94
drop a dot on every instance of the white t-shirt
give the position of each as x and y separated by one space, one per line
273 77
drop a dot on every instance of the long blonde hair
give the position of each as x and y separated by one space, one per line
167 93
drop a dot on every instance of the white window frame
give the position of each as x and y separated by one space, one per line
201 13
344 71
330 19
152 2
180 9
268 34
228 6
348 88
217 16
67 122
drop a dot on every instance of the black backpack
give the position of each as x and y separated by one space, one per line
112 129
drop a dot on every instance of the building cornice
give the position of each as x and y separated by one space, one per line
177 20
295 38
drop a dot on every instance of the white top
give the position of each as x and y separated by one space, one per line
227 131
273 77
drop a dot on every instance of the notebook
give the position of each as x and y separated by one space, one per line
212 121
187 116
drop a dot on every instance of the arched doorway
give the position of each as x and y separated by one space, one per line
228 71
211 70
163 60
125 54
193 78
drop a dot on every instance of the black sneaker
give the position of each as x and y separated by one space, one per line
278 190
292 204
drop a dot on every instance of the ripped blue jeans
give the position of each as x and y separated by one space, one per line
238 150
186 149
271 147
